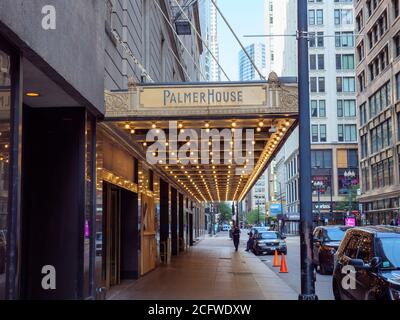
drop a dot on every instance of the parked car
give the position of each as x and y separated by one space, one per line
3 245
255 230
268 242
373 252
326 242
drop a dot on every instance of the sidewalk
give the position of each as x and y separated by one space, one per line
210 270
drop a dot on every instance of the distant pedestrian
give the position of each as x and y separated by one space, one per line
236 237
250 242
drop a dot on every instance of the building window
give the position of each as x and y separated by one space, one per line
371 6
343 16
380 62
398 87
347 133
321 159
315 17
317 62
314 133
317 84
379 100
322 132
361 81
365 178
316 40
318 108
318 133
395 5
344 39
360 21
346 108
364 146
320 17
377 30
345 84
345 62
396 42
382 173
311 17
360 51
363 114
381 136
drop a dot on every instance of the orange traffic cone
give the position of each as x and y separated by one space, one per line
276 260
283 265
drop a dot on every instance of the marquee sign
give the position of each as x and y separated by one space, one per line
202 99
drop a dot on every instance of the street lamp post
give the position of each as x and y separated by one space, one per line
318 185
306 214
349 175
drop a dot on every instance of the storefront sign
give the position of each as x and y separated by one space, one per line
202 97
275 209
351 222
326 206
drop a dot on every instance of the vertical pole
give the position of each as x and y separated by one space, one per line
350 191
282 214
306 213
331 205
319 203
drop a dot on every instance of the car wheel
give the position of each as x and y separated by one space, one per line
336 290
284 252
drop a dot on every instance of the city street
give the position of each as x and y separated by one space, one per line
323 283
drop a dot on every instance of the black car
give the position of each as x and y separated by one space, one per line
268 242
367 264
326 241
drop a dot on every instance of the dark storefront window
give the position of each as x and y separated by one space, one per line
365 178
325 179
321 159
382 173
5 107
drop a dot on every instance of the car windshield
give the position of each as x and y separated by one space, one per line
388 249
335 234
269 235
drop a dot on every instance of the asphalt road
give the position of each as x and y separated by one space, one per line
323 284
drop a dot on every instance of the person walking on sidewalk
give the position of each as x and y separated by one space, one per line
236 237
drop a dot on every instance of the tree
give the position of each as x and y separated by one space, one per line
225 210
254 216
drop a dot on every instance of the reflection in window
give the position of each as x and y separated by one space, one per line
5 103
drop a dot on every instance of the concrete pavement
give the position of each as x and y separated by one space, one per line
210 270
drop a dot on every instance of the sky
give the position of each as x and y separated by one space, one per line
245 17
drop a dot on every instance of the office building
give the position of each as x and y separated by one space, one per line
378 81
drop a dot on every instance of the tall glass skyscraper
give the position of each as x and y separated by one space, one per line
246 69
209 30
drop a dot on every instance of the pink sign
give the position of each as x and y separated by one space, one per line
351 222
